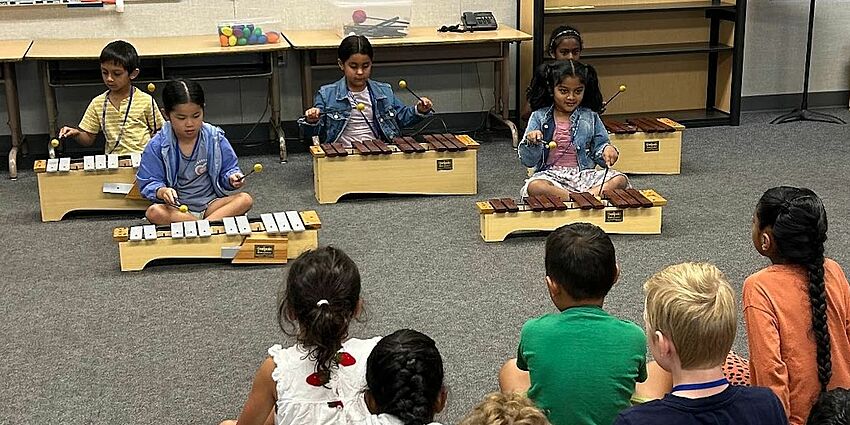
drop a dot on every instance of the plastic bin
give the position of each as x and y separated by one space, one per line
373 18
243 32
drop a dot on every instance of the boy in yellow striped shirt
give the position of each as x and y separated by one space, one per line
127 116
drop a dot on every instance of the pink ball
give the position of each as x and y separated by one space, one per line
359 16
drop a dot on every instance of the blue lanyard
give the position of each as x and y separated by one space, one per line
700 385
126 114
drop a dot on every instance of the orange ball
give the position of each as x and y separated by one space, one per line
223 40
273 37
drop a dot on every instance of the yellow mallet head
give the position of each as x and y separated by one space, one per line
258 168
151 87
183 209
402 84
360 107
552 145
622 88
54 143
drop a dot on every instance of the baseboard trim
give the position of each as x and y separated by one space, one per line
777 102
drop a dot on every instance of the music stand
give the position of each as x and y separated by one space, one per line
803 113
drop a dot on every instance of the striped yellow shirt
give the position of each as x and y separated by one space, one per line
143 121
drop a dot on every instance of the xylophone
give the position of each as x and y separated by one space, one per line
647 145
627 211
98 182
436 164
273 238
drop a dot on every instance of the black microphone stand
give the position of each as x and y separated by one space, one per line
803 113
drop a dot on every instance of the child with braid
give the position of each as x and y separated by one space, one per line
405 379
320 379
797 310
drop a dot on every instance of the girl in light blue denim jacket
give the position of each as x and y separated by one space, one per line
335 117
565 138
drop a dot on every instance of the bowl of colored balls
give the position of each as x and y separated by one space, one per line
232 34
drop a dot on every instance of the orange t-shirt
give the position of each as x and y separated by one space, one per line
783 354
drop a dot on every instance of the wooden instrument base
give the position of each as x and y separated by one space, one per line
650 153
77 190
495 227
426 173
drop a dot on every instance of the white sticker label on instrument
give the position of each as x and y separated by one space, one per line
282 222
136 159
52 165
177 230
230 226
150 232
136 233
100 162
112 161
88 163
269 224
243 225
204 230
295 221
65 164
117 188
190 229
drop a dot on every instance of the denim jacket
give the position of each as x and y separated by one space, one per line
388 112
589 138
161 159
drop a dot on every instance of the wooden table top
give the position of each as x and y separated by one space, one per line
190 45
13 50
326 39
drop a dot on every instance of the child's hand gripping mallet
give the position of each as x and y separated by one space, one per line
258 168
621 89
403 85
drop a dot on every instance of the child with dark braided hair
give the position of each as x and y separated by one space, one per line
405 378
320 379
797 310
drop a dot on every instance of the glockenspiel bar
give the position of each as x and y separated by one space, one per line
230 226
65 164
100 162
295 221
282 222
177 230
136 159
52 165
112 161
149 231
136 233
190 229
243 224
269 223
88 163
204 230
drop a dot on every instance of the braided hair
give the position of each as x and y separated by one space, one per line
547 76
322 294
798 219
405 376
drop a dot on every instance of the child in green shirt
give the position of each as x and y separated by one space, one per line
579 366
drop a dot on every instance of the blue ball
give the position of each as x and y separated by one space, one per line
252 39
262 39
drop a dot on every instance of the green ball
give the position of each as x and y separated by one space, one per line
258 31
242 41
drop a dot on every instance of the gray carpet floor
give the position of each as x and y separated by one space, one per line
84 343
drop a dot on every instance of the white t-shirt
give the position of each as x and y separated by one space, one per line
360 127
385 419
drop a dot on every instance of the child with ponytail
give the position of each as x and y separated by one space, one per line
797 310
320 379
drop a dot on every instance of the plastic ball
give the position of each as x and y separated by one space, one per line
252 39
258 31
232 40
552 145
359 16
258 168
249 28
262 39
402 84
273 37
622 88
238 27
54 143
184 209
360 107
242 41
151 87
226 31
223 41
238 33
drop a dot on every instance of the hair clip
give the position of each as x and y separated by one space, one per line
322 302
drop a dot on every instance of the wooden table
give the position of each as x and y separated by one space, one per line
162 58
12 51
318 51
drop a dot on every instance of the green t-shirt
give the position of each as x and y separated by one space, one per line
583 364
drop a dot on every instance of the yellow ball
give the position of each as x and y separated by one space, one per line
552 145
151 87
54 143
402 84
361 107
622 88
184 209
226 31
258 168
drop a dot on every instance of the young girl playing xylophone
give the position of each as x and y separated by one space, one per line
190 162
565 138
336 117
320 379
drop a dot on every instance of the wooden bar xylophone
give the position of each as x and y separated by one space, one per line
436 164
97 182
273 238
626 211
647 145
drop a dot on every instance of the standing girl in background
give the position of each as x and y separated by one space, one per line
797 310
564 44
335 117
320 379
565 104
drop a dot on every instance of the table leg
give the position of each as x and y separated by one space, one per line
502 83
14 112
275 129
49 100
306 81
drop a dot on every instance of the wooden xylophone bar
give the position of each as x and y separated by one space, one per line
633 125
620 198
87 163
407 144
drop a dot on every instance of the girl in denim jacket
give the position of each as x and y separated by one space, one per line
335 117
565 105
